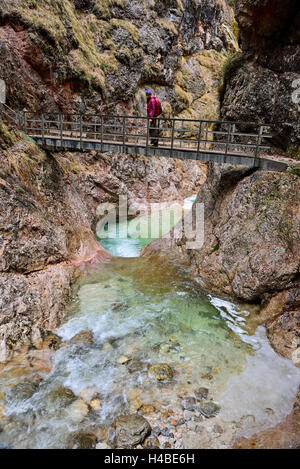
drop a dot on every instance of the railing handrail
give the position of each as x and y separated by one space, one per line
121 116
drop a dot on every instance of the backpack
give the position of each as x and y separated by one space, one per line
159 109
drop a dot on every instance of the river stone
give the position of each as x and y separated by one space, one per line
89 394
83 338
63 393
82 440
151 442
96 404
22 391
161 372
209 409
130 430
102 446
148 409
188 403
201 393
78 410
122 360
137 366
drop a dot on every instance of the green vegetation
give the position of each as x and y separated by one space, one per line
169 26
7 139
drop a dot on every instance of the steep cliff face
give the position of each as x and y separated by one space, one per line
263 82
92 56
48 209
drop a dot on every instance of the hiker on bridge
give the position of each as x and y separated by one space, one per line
154 109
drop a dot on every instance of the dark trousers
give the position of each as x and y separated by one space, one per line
154 132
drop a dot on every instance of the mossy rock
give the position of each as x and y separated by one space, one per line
161 372
64 394
82 440
83 338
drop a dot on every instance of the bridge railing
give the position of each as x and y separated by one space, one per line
11 117
174 134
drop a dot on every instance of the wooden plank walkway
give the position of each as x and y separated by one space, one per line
235 143
71 143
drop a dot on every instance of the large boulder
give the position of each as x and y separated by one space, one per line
130 430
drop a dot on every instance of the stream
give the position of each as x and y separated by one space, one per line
227 381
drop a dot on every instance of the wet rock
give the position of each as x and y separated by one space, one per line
81 440
89 394
83 338
137 367
148 409
78 410
102 446
22 391
96 404
201 393
135 405
123 360
130 430
119 307
64 394
218 429
188 415
188 403
151 442
209 409
207 375
165 432
180 422
161 372
2 410
156 431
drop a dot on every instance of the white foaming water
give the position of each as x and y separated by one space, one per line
188 203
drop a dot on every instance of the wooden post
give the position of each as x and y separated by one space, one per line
25 122
259 140
124 134
102 133
233 132
81 146
61 129
43 127
95 127
172 138
181 133
199 139
206 135
147 140
228 139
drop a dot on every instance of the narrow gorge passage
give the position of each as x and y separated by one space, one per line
141 337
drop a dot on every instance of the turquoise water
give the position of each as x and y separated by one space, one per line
119 242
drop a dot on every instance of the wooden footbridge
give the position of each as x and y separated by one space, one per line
236 143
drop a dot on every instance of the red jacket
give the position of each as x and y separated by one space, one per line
151 107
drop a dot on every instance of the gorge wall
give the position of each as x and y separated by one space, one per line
99 56
263 82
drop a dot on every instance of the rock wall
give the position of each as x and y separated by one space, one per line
99 56
263 83
48 209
